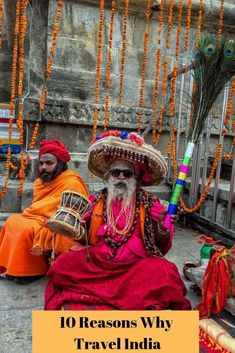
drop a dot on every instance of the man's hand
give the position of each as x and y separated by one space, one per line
162 216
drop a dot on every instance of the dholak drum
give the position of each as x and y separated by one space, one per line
75 202
66 222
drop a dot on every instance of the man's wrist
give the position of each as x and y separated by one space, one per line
162 231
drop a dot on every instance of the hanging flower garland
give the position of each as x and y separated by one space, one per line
1 13
169 28
25 159
154 119
14 59
98 65
188 23
123 51
143 70
172 114
207 187
177 46
109 61
221 15
199 23
173 151
164 81
23 27
48 70
155 137
227 156
173 89
12 99
160 22
233 129
229 107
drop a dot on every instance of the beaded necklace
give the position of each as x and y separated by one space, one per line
125 236
129 219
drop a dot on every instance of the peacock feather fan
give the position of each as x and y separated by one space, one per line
213 66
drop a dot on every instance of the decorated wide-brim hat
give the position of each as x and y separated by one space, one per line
129 146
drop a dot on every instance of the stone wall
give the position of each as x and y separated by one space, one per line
71 89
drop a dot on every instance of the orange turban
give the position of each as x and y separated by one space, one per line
56 148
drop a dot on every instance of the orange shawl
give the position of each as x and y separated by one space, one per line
45 202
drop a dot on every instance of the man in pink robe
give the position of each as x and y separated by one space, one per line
124 267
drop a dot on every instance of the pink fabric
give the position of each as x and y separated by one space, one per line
130 281
135 285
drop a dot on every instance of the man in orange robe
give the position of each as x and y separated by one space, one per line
25 240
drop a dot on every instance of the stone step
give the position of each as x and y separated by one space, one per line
3 218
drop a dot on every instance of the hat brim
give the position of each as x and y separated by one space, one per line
105 150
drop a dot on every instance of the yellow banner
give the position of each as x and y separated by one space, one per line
109 331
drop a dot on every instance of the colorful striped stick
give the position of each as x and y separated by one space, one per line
180 182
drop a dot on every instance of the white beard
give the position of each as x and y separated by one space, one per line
120 190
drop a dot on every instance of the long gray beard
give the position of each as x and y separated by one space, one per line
122 191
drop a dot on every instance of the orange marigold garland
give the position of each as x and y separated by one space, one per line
143 70
228 156
169 28
1 23
48 70
233 128
199 23
123 52
12 99
25 159
177 46
229 107
155 137
23 27
173 151
54 38
154 120
221 15
14 59
109 61
98 64
164 80
168 150
173 88
207 187
160 23
172 114
187 27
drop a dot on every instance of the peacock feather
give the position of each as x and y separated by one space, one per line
213 67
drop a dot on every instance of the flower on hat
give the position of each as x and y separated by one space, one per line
124 135
136 138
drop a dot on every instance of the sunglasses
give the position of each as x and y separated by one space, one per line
126 172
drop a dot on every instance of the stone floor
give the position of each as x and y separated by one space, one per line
17 301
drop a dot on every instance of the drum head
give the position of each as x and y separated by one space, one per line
62 228
75 201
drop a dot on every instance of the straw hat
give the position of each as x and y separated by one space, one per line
113 145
